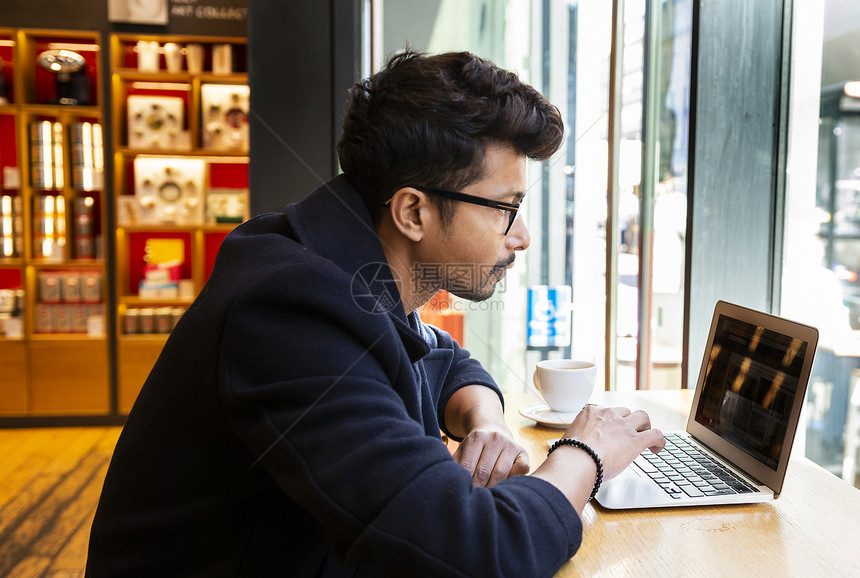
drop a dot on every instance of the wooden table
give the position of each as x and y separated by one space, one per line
812 529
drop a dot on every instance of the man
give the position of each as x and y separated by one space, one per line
291 424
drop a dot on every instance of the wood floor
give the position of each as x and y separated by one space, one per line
50 480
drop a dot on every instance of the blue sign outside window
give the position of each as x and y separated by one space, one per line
549 316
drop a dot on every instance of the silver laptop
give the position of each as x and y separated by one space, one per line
743 419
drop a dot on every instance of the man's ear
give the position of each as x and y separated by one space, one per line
410 213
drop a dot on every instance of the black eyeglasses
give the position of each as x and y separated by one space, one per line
511 208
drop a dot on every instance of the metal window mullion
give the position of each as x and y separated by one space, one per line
650 143
616 71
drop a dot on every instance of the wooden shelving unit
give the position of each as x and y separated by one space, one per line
61 353
54 345
164 119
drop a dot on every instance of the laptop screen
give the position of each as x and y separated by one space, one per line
749 388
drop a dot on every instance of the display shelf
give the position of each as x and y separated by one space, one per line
37 84
7 66
147 338
180 181
176 54
52 215
55 207
136 354
68 377
134 75
192 152
14 382
70 338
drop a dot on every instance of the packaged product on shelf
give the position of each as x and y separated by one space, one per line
91 286
46 155
130 322
225 116
49 224
169 190
12 313
147 55
11 226
44 318
175 315
79 313
96 322
162 320
222 59
84 228
7 305
62 319
194 53
157 122
87 156
173 57
71 290
146 320
50 287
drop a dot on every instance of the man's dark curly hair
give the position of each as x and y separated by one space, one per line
427 120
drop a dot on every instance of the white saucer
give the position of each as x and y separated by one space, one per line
541 413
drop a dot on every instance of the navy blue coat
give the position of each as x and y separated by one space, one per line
290 428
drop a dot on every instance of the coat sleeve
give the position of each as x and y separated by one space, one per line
463 370
313 393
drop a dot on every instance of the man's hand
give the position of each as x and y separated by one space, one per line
616 434
491 455
488 450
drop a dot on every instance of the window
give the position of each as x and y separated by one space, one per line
820 282
563 48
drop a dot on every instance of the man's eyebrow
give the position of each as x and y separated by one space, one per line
518 196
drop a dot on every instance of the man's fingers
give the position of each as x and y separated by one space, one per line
654 437
488 468
659 442
467 456
521 465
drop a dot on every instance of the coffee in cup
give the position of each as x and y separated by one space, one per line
565 384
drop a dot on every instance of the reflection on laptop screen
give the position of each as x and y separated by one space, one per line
749 387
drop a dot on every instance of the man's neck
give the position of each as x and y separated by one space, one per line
414 286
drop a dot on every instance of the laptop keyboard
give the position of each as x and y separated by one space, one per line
682 469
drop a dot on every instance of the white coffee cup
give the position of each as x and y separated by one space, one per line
565 384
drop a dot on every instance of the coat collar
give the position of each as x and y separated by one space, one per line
334 223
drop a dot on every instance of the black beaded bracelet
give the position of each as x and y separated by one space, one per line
587 449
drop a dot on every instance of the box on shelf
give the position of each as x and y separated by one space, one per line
49 227
11 313
157 122
66 317
162 269
46 155
169 190
50 287
87 156
11 226
70 286
84 228
137 320
226 205
91 286
225 116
